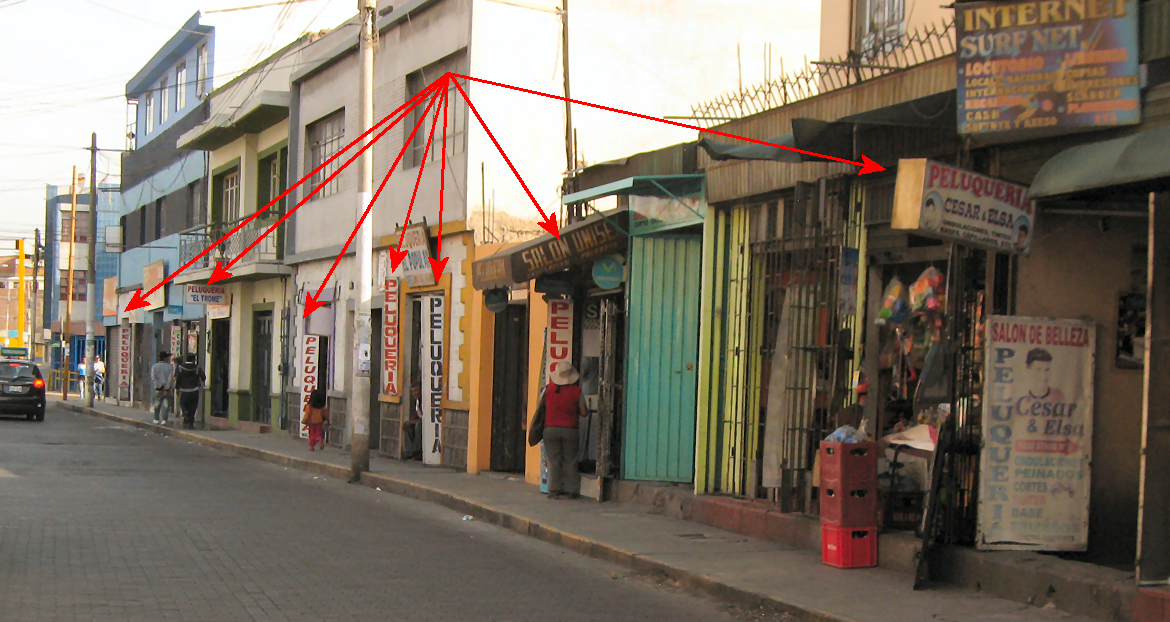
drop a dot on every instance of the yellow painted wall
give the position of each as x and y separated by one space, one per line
481 335
537 322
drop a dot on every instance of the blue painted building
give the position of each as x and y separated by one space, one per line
163 190
58 227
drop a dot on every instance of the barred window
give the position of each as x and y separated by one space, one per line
324 140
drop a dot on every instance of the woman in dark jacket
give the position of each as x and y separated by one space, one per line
563 408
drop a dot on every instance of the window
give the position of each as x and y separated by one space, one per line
149 113
78 285
12 371
456 115
180 86
201 71
324 139
159 218
878 28
231 197
274 185
81 235
164 93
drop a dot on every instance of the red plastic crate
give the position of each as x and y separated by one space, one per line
850 505
849 462
849 547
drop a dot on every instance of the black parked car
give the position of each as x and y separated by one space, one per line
22 389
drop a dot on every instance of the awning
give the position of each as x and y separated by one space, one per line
835 138
580 242
1144 156
647 185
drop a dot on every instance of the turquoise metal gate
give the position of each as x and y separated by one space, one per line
658 441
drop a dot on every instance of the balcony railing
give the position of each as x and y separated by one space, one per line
268 250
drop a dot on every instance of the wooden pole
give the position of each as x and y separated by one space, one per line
65 336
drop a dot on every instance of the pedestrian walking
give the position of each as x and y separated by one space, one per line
189 379
162 378
81 376
99 377
564 405
316 417
412 427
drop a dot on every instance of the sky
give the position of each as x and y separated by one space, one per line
67 62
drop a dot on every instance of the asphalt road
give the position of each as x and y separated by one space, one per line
100 521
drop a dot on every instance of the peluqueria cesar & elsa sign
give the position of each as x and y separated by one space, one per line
1037 434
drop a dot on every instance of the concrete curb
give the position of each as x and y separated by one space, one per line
519 524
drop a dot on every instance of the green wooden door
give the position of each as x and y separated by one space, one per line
658 442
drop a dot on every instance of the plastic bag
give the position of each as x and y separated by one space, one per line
848 434
895 309
927 294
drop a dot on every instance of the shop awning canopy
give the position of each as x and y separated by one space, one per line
1137 158
835 138
646 185
598 235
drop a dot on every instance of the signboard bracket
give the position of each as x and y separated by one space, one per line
608 220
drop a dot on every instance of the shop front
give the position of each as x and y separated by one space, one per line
418 411
621 304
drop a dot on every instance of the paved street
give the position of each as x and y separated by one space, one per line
100 521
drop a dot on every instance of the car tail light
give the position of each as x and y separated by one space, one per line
38 384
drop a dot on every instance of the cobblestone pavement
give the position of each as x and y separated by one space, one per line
100 521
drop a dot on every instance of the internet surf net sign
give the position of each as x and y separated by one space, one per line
1047 64
1037 435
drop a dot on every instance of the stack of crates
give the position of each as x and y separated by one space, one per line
849 504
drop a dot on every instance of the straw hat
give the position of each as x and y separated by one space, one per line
564 374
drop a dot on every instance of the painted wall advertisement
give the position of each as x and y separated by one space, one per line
390 338
1037 434
942 201
1025 64
559 348
308 372
110 296
152 275
432 378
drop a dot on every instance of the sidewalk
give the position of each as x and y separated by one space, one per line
727 566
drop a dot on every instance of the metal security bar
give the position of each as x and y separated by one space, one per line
803 332
195 241
816 77
958 499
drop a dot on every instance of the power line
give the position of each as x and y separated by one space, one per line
255 6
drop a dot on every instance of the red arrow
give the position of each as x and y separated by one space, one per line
397 254
550 222
312 301
221 272
138 300
437 265
867 165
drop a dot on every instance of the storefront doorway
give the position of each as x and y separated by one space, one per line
509 389
662 373
262 367
220 361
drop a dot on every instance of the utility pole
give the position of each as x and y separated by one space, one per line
359 399
36 273
570 148
65 336
20 297
90 263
